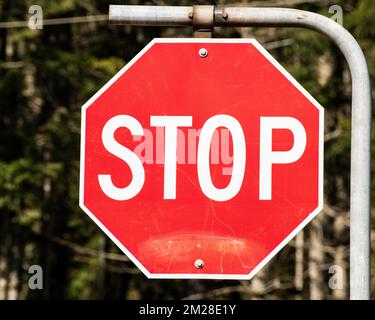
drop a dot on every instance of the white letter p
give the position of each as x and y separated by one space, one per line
269 157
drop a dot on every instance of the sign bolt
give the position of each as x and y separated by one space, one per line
199 264
203 53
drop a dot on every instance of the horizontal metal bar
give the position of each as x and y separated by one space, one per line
151 15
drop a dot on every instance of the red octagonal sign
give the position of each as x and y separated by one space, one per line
202 158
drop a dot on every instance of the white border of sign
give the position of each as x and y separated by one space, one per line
284 242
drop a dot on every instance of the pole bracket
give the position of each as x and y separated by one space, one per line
203 16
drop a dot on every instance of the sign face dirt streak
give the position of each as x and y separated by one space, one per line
202 166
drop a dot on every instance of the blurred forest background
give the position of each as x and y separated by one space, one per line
47 75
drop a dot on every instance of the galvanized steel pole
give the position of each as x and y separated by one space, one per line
361 99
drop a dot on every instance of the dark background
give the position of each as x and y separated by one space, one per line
47 75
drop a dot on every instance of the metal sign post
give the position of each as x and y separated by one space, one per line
206 17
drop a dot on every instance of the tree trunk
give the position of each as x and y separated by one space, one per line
339 271
298 275
102 267
316 260
258 285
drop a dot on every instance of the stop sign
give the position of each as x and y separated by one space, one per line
201 158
